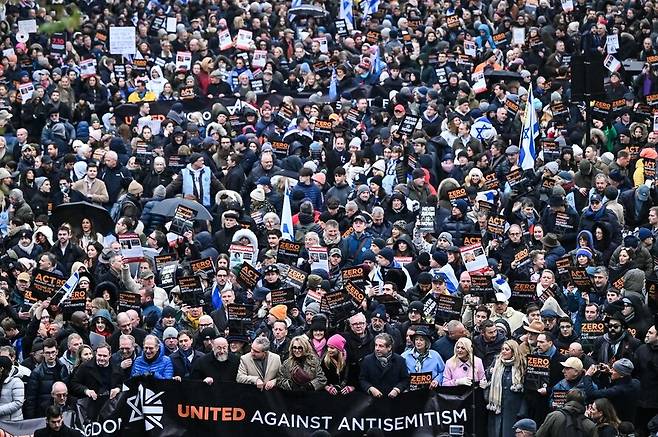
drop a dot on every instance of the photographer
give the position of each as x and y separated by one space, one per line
622 391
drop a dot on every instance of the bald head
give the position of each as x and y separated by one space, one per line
220 349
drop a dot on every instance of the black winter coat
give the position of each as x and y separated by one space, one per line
39 386
208 366
384 379
90 377
646 371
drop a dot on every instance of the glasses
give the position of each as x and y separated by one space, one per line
359 324
515 233
205 325
221 275
614 325
298 348
50 352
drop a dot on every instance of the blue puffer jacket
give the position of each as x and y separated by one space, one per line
161 368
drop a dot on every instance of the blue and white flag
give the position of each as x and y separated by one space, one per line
286 218
530 131
483 130
333 86
69 286
370 7
376 61
346 13
294 4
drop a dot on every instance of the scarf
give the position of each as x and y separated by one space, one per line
186 361
194 322
608 345
319 346
383 360
496 387
420 359
27 249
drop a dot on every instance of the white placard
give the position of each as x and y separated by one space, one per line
122 40
244 40
470 49
259 59
8 52
26 90
225 41
87 68
518 35
28 26
612 43
655 123
611 63
171 24
567 5
324 46
184 59
479 82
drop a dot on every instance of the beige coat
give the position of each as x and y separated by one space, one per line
97 192
249 372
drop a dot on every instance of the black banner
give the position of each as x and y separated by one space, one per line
191 408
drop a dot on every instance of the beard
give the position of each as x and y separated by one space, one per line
221 357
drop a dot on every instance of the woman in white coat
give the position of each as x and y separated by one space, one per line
12 394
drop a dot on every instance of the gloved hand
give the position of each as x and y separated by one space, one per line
464 381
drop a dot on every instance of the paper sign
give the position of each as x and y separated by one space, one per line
28 26
470 48
225 41
567 5
475 259
426 219
171 24
26 90
244 40
131 247
240 254
183 60
319 258
518 35
612 43
259 59
191 290
87 68
611 63
122 40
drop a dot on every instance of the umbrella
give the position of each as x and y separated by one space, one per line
73 213
306 11
168 207
502 75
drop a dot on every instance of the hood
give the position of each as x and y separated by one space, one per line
485 29
105 315
204 239
447 185
587 235
642 126
594 132
292 163
46 231
406 239
573 407
551 304
634 281
157 69
252 239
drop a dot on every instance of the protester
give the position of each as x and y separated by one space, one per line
475 179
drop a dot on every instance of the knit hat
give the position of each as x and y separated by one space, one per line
440 257
313 281
159 192
280 312
624 366
446 236
644 233
257 195
135 188
418 306
363 189
461 205
387 253
337 341
168 312
584 251
313 308
170 332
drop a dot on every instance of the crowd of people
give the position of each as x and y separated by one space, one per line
374 152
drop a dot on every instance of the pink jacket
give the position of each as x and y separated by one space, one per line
454 371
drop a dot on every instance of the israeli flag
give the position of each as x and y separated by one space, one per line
346 13
530 131
333 86
483 130
376 61
287 230
370 7
69 286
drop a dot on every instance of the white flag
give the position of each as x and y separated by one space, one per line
286 218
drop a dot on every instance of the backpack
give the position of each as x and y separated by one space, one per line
117 209
573 426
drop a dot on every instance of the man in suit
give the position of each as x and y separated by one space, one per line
220 313
259 367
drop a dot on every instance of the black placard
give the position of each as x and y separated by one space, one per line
204 265
283 296
248 276
288 252
191 290
448 308
129 301
537 372
182 220
408 125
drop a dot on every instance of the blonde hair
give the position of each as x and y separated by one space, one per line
466 343
302 340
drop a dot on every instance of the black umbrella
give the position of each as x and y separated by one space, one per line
306 11
73 213
502 75
168 207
